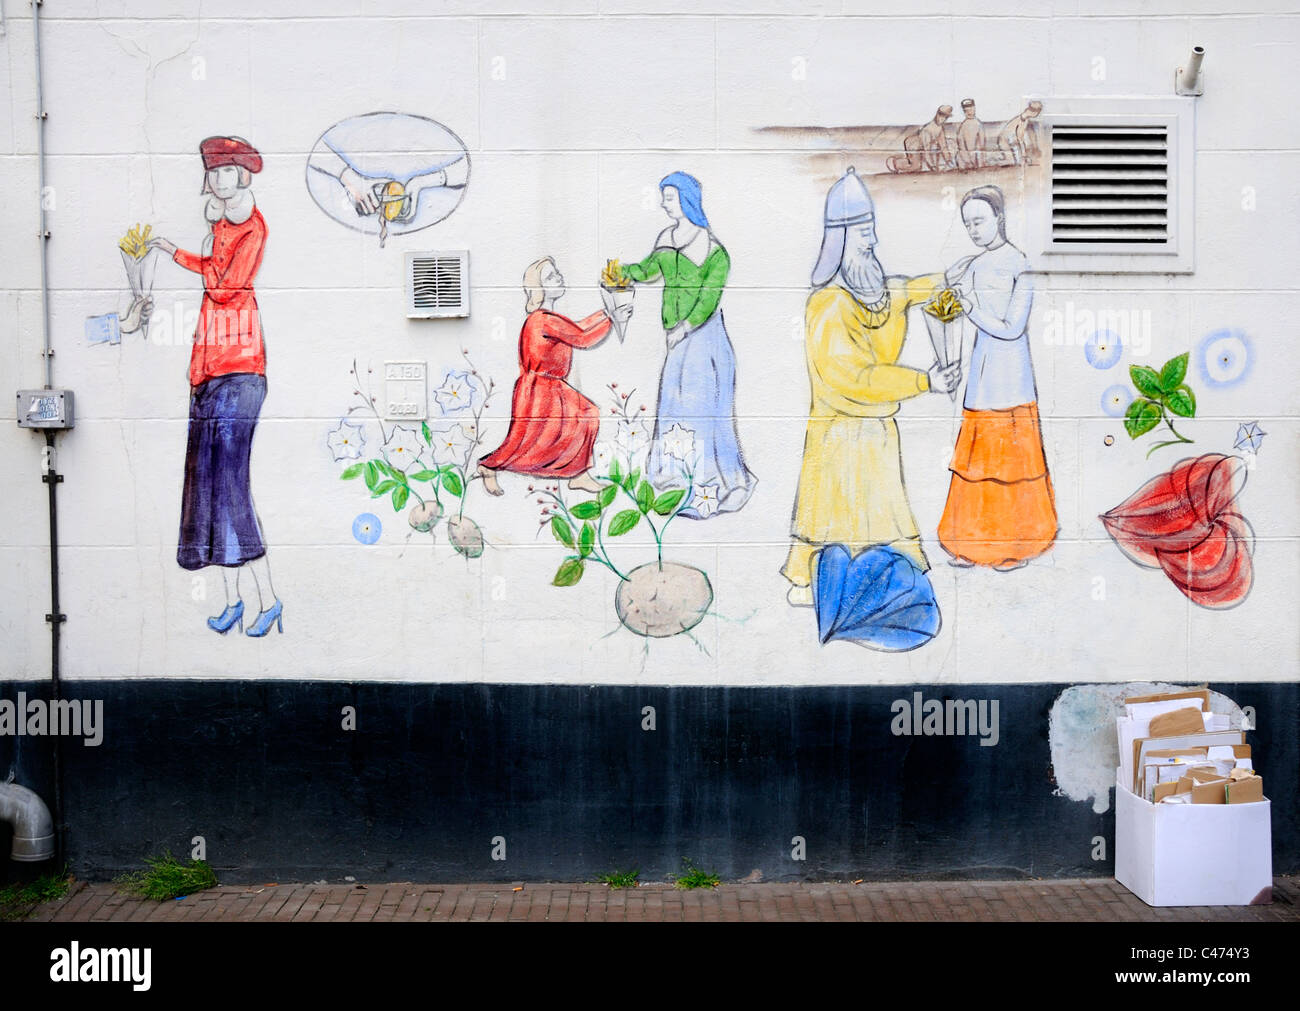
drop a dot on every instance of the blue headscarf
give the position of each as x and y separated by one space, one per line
689 192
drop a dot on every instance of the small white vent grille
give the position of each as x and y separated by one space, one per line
1117 191
1110 184
437 284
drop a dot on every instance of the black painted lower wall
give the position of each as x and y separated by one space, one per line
266 774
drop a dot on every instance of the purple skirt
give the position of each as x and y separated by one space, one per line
218 523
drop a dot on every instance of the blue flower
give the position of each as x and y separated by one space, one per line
1103 349
1116 399
1224 357
366 528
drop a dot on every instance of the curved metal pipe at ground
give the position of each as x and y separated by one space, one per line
32 825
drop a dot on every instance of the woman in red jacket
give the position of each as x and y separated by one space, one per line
228 384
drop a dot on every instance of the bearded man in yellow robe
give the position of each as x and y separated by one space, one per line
851 485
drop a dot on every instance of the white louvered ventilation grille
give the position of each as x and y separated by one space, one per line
437 284
1110 184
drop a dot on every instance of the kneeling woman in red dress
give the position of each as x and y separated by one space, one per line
552 426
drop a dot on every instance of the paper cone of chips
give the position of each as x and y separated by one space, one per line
616 290
941 319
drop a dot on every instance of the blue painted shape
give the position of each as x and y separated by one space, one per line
1103 349
1115 400
103 329
366 528
879 599
1224 358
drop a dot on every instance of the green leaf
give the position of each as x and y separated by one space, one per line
1182 401
1141 417
562 531
400 495
384 487
383 466
424 475
645 496
667 502
1172 373
607 495
350 472
1147 382
586 539
372 474
624 522
428 435
586 510
570 572
615 473
451 480
399 476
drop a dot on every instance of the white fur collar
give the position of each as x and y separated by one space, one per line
239 208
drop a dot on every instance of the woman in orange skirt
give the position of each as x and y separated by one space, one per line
1000 510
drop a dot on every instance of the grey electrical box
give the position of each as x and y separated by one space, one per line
45 409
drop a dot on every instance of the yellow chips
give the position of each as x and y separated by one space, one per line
135 243
944 306
613 277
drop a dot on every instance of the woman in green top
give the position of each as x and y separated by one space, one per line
697 388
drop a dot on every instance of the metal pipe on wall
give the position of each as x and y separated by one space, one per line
50 476
32 825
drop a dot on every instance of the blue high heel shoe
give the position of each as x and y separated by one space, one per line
233 613
264 620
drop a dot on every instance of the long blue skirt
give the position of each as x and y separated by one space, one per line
697 390
218 523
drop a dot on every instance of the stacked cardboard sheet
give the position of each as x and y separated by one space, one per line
1173 750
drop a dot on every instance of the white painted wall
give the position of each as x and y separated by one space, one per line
571 117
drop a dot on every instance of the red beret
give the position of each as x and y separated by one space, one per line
218 151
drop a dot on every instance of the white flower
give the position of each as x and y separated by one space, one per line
459 392
679 443
450 446
705 501
602 455
633 441
346 441
403 448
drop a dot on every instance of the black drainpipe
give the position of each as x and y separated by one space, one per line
56 617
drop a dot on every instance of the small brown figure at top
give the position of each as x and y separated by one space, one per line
970 138
926 148
1018 139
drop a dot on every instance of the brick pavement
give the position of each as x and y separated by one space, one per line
1080 899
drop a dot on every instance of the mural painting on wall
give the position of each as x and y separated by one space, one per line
697 387
691 465
856 555
388 173
417 467
140 258
219 524
851 509
1000 511
1185 521
937 146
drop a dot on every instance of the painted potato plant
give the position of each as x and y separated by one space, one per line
656 599
426 469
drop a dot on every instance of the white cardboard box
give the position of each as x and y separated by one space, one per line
1193 854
